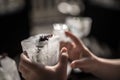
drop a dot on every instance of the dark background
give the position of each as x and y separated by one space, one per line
105 25
14 27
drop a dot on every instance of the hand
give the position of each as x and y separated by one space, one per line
76 48
34 71
105 69
79 54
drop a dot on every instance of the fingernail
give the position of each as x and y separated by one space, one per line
64 49
73 65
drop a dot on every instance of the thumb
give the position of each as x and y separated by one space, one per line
82 63
63 58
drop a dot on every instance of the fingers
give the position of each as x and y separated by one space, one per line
24 71
75 39
82 63
68 45
28 64
23 68
25 53
63 58
25 61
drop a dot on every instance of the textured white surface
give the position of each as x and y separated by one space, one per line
48 54
8 71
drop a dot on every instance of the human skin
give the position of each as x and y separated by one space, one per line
82 58
79 56
35 71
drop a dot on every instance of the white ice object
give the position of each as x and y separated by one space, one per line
59 30
80 27
69 69
8 69
48 54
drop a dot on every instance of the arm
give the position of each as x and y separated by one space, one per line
108 69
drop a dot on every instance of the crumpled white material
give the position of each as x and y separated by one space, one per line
8 69
48 54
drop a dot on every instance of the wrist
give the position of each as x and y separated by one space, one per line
107 69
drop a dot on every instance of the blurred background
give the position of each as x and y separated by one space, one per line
96 22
